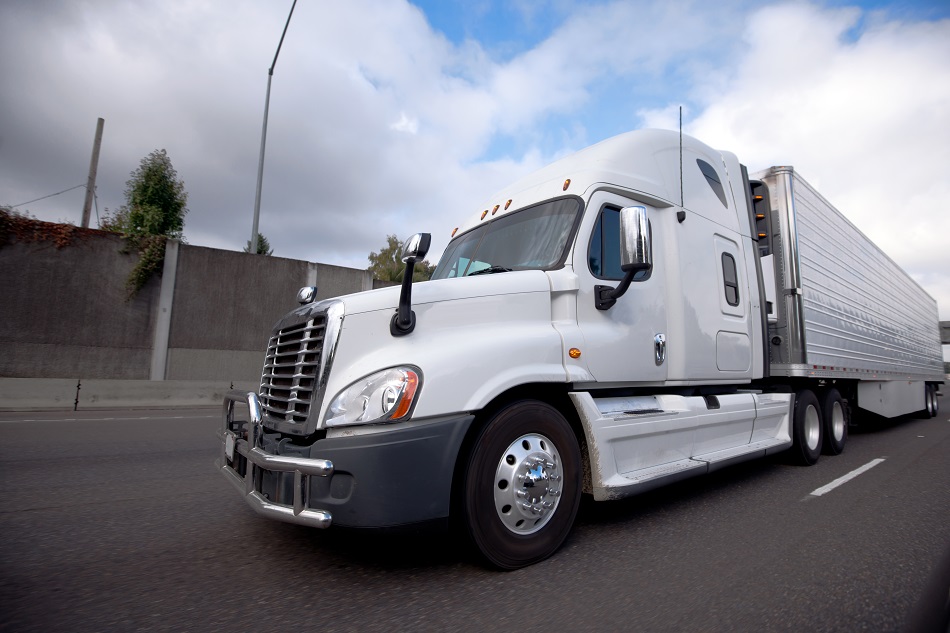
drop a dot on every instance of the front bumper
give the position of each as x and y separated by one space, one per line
388 479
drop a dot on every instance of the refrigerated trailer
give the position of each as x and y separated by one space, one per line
631 315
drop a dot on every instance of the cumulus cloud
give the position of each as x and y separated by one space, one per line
862 115
379 123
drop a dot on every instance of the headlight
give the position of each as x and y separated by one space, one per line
385 396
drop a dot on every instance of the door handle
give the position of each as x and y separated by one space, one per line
659 348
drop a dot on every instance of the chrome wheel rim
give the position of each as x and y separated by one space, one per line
527 485
837 421
812 428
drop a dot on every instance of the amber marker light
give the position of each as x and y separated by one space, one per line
454 231
507 204
567 183
495 210
484 213
412 383
574 353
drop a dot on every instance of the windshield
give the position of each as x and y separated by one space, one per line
535 238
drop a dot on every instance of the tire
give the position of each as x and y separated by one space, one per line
933 407
835 416
522 485
807 428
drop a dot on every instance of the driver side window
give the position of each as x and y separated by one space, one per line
603 256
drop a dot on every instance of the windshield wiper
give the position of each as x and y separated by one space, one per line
490 270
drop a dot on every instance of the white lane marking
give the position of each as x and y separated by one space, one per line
846 478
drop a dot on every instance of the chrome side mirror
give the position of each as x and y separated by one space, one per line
636 255
415 249
636 242
307 294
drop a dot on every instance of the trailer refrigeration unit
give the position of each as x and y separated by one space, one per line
631 315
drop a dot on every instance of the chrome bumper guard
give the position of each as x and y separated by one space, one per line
248 445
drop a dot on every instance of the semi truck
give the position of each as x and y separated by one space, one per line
642 311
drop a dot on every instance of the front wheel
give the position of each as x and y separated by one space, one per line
522 485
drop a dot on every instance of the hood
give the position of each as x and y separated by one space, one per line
427 292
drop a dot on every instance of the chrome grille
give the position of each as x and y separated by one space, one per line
291 369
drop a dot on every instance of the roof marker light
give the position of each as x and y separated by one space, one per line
484 213
507 204
454 231
567 183
495 210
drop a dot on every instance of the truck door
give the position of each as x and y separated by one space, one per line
625 344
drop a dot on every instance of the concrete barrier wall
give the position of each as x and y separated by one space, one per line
225 304
68 394
64 313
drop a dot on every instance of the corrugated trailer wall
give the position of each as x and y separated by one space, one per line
861 315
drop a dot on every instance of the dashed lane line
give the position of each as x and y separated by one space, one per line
845 478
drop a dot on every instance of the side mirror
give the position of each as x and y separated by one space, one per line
416 247
307 294
636 242
636 255
414 250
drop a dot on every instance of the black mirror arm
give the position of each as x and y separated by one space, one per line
404 321
606 296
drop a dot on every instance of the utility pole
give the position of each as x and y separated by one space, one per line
93 167
260 164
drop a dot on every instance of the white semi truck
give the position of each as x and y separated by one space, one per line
631 315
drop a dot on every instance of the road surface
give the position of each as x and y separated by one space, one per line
118 521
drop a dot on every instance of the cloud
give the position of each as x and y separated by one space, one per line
380 124
859 108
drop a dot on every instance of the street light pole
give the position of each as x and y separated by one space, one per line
260 164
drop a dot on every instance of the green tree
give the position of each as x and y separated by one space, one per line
263 246
154 211
387 264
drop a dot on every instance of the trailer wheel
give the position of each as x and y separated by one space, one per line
929 402
807 428
834 413
935 399
522 485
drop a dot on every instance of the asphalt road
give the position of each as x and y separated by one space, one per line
119 521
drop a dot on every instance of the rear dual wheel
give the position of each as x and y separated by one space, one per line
835 418
522 484
930 395
807 428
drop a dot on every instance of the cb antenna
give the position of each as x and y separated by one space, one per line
681 214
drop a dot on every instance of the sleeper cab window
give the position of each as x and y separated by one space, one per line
712 179
730 279
603 257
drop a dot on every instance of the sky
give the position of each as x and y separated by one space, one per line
393 117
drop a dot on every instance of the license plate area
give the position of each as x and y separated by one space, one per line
229 441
